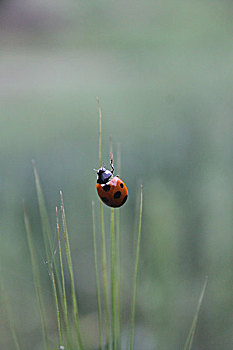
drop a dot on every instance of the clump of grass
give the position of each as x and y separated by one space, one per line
69 335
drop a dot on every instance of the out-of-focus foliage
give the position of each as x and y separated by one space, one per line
163 71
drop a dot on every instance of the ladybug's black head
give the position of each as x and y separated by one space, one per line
103 175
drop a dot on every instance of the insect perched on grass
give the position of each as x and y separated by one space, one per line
111 189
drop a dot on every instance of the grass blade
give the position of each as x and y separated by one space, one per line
136 274
36 278
100 130
43 215
70 267
189 340
118 306
63 283
57 307
113 279
97 279
103 246
46 229
105 277
113 263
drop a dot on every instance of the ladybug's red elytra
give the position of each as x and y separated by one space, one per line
111 189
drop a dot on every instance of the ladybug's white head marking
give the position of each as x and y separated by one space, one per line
103 175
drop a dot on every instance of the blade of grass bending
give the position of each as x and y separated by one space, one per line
118 306
6 304
70 267
113 279
46 229
36 278
63 283
189 340
43 215
136 274
103 246
57 306
97 279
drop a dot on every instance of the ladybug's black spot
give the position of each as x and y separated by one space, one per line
121 185
117 194
124 200
105 200
106 188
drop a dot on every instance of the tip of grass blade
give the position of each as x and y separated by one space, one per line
34 168
190 337
61 196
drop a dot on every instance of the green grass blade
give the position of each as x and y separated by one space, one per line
49 250
6 304
70 267
103 246
97 279
136 274
43 215
189 340
113 263
118 280
57 307
36 278
63 283
105 277
113 279
118 269
100 130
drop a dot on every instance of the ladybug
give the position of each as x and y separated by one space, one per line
111 189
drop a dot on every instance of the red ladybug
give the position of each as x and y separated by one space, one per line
111 189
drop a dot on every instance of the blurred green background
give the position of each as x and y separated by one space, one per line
164 75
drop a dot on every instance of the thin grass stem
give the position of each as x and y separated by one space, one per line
113 279
113 263
118 277
105 277
49 250
36 278
100 130
97 280
136 274
103 247
57 307
43 215
63 282
190 337
70 267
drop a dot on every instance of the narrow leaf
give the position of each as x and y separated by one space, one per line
136 274
97 279
189 340
36 278
70 267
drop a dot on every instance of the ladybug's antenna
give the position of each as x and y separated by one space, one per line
111 162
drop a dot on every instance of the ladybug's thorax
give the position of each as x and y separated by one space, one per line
103 175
